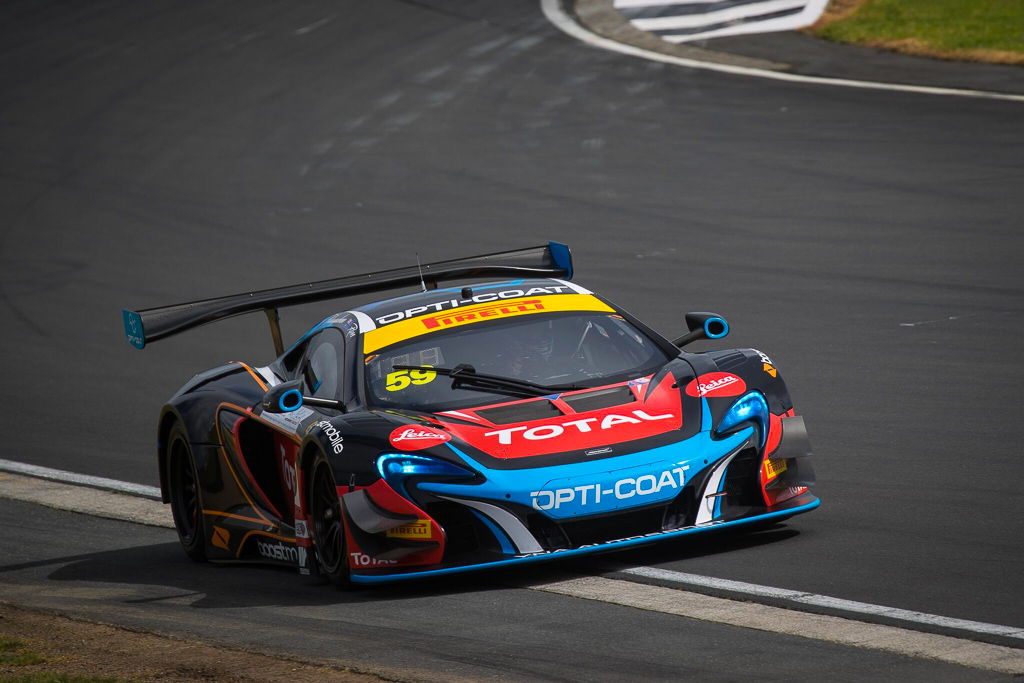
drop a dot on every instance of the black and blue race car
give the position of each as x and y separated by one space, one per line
492 423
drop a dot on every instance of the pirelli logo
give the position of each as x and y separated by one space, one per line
773 468
450 318
469 315
418 530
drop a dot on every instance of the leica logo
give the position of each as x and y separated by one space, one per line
417 438
413 433
718 383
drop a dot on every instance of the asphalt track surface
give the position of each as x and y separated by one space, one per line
868 242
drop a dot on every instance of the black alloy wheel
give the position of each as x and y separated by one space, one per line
186 506
328 526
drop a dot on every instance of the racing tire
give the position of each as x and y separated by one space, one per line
327 524
183 490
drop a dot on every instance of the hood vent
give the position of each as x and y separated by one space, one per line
520 412
602 398
730 360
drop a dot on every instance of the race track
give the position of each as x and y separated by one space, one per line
869 242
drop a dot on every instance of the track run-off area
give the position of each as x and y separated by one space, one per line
110 499
867 240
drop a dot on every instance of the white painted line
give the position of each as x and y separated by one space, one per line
556 15
850 606
790 622
706 18
80 479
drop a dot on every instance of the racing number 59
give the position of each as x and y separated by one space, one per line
400 379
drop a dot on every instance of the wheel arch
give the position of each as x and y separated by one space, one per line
168 418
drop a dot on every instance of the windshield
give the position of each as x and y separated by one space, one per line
588 349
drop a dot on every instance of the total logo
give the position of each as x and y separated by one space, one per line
417 438
583 426
716 385
364 560
623 489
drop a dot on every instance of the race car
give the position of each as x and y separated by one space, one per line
496 422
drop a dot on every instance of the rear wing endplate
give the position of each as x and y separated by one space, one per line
149 325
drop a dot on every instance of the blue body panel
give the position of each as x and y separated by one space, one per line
588 488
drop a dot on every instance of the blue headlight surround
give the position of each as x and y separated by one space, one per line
396 468
751 407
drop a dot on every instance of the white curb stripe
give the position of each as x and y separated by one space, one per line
790 622
86 501
81 479
655 598
825 601
556 15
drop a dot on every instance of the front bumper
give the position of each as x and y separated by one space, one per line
805 502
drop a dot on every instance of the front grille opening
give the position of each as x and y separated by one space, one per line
596 400
547 532
464 533
743 479
614 526
681 511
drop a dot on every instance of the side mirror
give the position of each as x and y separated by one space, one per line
283 398
703 326
287 397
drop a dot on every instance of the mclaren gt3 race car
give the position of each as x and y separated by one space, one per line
489 424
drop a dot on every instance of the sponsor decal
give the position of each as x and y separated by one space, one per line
404 327
282 552
301 529
220 538
581 426
364 560
333 435
288 421
432 322
716 385
482 298
623 489
766 363
411 438
401 379
413 531
286 466
773 468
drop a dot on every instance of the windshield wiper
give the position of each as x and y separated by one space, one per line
465 376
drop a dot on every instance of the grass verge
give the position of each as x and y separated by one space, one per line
967 30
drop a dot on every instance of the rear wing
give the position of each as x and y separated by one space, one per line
149 325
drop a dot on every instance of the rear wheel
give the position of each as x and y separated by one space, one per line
183 487
328 528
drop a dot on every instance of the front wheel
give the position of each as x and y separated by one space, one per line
183 487
328 528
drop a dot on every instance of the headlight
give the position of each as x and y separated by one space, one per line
750 407
396 468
